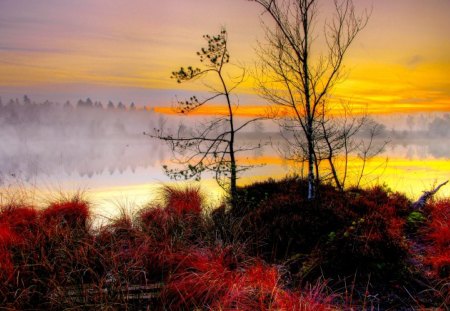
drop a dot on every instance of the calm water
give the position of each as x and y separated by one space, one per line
123 168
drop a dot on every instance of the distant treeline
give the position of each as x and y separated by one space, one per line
26 119
86 138
87 103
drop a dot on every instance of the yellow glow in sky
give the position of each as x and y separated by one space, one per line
216 109
400 62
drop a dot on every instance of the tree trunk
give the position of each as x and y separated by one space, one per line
233 173
233 177
311 179
334 172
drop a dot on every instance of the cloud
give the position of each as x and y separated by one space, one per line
415 61
18 49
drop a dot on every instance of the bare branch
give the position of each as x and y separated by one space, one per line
300 82
210 146
427 195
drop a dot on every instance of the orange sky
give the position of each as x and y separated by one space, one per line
79 48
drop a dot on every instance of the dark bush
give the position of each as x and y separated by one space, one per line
337 234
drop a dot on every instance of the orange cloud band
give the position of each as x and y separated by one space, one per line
357 109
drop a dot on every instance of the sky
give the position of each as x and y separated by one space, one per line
126 50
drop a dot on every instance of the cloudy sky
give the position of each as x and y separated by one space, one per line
126 50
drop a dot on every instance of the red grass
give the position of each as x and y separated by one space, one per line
438 237
178 222
6 265
310 300
154 215
381 222
213 279
201 277
165 245
73 213
256 289
183 201
7 236
18 217
260 288
16 226
440 260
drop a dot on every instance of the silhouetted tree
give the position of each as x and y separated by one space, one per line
120 106
89 103
68 105
26 100
295 75
98 105
210 146
81 103
440 126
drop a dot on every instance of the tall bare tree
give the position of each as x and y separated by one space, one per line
299 67
212 145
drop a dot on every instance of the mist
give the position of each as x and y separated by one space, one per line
86 138
93 139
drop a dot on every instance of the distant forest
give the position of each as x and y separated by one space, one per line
26 119
85 119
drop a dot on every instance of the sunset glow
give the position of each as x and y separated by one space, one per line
112 50
400 64
224 155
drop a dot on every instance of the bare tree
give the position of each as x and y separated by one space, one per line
210 146
337 138
295 75
347 135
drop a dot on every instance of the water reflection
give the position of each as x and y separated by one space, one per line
41 142
419 148
79 158
34 160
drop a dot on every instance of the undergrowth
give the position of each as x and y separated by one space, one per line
358 249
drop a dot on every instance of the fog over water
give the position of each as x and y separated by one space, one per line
91 145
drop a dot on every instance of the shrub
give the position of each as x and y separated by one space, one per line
17 228
7 238
201 276
73 214
179 222
21 220
437 236
339 234
277 221
182 201
217 279
374 239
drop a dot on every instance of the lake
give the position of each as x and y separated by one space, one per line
106 156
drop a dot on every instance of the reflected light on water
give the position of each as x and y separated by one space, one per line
117 168
410 176
110 202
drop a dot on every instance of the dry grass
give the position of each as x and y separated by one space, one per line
52 258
